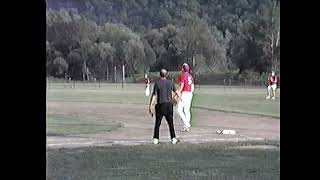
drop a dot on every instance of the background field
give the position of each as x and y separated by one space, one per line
62 125
101 114
248 100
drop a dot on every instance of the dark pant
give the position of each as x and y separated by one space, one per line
166 110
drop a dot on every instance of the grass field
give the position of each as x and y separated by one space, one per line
164 161
186 161
61 125
230 99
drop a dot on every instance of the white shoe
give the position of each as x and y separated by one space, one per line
273 97
174 141
155 141
268 97
185 129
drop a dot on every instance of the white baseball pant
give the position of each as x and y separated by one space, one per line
184 107
273 88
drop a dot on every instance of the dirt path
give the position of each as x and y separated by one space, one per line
138 125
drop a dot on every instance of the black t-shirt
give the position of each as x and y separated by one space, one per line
163 90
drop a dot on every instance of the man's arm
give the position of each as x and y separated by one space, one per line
181 84
152 102
180 87
178 94
176 91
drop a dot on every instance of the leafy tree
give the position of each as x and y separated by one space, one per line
60 66
134 56
94 36
106 53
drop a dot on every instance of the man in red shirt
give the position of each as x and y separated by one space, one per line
272 85
186 88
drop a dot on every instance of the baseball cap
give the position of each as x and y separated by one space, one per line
185 67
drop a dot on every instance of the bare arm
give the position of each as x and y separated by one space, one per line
177 92
180 87
152 101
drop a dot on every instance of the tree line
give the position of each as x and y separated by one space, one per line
95 38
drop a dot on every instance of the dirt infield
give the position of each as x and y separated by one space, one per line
137 125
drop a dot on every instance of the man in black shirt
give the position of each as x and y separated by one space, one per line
162 90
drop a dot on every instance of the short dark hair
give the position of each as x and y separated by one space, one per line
163 73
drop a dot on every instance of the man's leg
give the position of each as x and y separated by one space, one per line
158 121
180 108
274 87
187 109
269 92
169 118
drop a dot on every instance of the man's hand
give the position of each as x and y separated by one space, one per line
178 96
151 111
175 100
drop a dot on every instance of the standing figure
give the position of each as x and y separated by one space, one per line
162 91
147 83
272 86
186 89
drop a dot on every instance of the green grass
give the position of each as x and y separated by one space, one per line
61 125
195 102
164 161
242 102
235 99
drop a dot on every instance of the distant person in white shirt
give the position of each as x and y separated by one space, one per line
147 83
272 85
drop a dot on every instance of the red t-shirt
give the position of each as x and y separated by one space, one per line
272 80
187 81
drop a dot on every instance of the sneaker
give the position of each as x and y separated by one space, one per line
185 129
155 141
174 141
273 97
268 97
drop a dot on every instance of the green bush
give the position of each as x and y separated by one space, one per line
214 78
